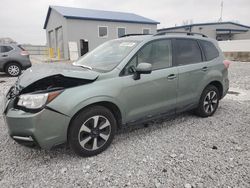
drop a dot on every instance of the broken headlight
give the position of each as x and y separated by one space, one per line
36 101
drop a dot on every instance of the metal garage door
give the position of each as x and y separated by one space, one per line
59 42
52 41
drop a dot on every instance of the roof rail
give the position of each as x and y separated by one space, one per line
133 34
181 32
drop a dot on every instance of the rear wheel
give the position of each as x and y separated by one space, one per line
209 101
13 69
92 131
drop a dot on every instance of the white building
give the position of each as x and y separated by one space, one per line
78 30
217 30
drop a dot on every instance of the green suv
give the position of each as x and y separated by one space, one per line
123 81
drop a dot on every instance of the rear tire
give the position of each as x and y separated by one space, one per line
13 69
92 131
209 102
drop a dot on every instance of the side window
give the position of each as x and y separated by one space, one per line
4 49
187 51
130 67
209 49
121 31
145 31
103 31
158 53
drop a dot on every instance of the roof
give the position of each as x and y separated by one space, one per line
204 24
101 15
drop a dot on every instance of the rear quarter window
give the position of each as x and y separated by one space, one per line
210 51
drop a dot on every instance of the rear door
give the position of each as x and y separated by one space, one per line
191 70
153 93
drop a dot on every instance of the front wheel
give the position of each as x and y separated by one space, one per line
92 131
209 102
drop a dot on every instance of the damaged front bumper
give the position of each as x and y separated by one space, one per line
45 129
45 126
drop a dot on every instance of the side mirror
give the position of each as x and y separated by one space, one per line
142 68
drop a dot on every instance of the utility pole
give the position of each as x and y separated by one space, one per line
221 10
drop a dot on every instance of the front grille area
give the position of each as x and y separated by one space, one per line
12 95
13 92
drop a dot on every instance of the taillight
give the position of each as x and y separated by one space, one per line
24 53
226 63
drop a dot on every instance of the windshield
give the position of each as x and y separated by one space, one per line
107 56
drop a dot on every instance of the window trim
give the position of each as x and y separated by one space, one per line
149 30
120 27
171 63
202 52
175 52
99 31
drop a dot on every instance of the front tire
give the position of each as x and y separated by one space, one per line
92 131
13 69
209 102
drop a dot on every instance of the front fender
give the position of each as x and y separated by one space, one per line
93 100
78 101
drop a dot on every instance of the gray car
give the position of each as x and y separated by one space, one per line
125 81
13 59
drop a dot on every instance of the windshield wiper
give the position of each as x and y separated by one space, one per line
84 66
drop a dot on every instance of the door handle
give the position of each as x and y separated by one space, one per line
171 76
204 69
4 55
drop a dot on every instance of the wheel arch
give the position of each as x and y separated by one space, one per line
218 85
11 61
107 104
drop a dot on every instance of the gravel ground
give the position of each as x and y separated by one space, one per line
182 151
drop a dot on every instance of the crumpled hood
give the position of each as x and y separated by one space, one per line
34 74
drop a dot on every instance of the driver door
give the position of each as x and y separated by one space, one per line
153 93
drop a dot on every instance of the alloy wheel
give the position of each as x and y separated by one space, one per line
210 102
94 132
13 70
